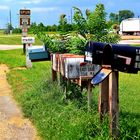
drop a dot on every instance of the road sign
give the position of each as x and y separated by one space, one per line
25 18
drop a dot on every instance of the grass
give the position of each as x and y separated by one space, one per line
58 119
15 39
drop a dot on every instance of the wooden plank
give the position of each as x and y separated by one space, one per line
113 103
103 105
54 75
89 95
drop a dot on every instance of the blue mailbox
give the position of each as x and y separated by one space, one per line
38 54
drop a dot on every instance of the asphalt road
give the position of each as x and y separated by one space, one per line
10 47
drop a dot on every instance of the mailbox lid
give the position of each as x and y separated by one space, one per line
35 49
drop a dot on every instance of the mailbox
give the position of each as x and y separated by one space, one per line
62 58
38 54
124 58
72 66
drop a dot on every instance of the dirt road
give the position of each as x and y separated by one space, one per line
12 124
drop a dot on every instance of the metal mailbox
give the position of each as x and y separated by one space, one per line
124 58
61 62
72 67
38 54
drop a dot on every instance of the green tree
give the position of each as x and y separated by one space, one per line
113 17
62 22
124 14
121 15
80 21
97 22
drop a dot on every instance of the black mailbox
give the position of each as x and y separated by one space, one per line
124 58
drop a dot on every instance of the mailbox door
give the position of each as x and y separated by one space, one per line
72 67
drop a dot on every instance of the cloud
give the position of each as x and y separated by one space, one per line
4 7
44 9
30 2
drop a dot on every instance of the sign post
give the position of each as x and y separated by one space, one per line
24 24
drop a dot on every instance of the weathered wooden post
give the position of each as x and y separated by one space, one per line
89 94
103 105
114 103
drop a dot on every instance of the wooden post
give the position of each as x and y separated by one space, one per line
54 75
113 103
66 87
103 98
89 95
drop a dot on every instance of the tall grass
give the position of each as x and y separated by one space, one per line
58 119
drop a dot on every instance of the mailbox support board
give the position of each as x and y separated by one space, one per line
109 101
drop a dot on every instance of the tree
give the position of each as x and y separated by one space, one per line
121 15
97 22
62 22
124 14
113 17
80 21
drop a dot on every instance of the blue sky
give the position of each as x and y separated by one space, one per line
48 11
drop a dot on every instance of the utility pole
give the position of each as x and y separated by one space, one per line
71 15
10 22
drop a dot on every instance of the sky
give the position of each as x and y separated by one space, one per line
49 11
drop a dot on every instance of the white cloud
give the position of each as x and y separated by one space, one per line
30 2
4 7
44 9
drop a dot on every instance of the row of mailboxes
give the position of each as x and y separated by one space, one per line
72 66
124 58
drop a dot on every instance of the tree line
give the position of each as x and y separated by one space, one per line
78 18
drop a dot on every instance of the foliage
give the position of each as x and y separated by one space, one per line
80 21
17 31
114 17
94 27
76 44
121 15
97 22
9 27
124 14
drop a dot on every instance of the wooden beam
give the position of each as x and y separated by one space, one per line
113 103
89 95
54 75
103 105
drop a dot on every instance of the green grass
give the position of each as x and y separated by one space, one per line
58 119
15 39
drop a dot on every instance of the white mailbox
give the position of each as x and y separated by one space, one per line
28 40
72 67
